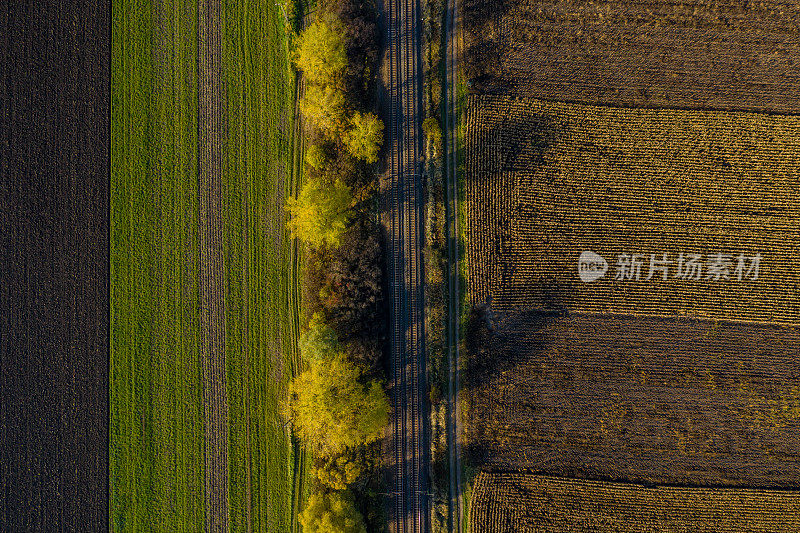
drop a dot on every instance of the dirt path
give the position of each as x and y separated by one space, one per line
453 309
212 285
298 144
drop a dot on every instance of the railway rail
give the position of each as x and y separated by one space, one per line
403 219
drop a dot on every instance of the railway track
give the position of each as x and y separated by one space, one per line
410 507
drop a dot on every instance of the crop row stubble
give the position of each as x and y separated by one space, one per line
548 180
522 503
652 400
702 54
664 381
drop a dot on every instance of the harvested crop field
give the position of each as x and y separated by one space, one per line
546 181
54 315
632 264
700 54
625 398
663 378
519 503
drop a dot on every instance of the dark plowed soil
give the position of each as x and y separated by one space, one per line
54 150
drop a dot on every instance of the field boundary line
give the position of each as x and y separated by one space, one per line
298 149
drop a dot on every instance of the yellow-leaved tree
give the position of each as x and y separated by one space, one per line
339 471
320 51
320 213
323 106
332 410
333 512
365 136
315 157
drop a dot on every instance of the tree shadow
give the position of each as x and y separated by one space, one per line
516 142
485 43
495 343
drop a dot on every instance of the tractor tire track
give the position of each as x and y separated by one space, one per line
212 271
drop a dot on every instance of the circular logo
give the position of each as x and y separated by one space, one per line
591 266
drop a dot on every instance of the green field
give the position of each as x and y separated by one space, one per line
156 449
156 455
260 264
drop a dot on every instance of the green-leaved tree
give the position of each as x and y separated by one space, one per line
320 213
333 512
320 52
318 342
332 410
365 136
315 157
